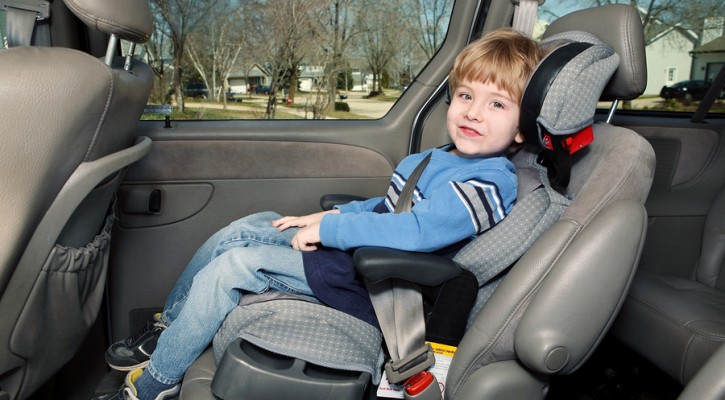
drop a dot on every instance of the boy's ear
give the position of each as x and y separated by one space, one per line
519 138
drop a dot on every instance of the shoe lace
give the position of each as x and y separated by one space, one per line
150 326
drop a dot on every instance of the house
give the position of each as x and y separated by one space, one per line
708 59
667 60
310 77
256 79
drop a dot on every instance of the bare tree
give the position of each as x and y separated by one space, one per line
154 54
338 31
288 30
690 18
214 48
379 24
181 18
428 22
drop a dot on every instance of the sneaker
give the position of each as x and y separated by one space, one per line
129 392
135 351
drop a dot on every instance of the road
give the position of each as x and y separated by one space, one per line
369 108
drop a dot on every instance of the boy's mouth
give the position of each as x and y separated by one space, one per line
469 132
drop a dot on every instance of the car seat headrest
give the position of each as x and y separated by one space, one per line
560 98
127 19
620 26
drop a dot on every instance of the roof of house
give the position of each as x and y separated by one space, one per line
713 46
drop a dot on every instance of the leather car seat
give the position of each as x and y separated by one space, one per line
678 323
68 129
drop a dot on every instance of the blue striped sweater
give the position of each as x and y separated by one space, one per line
455 199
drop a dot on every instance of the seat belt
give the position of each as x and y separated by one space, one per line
525 15
399 308
712 94
27 22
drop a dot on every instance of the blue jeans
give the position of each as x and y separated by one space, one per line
248 255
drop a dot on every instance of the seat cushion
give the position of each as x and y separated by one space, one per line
674 322
197 380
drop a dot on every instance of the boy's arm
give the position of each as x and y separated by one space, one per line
359 206
456 211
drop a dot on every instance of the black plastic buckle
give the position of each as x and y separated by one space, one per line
417 361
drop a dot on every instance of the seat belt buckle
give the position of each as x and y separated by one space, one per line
415 362
422 386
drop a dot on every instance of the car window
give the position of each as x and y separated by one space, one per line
289 59
684 44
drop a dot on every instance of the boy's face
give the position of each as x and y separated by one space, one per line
482 120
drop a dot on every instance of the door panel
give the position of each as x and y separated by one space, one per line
690 173
202 185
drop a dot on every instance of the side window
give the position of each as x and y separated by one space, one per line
289 59
684 44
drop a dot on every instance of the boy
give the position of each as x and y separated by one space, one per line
467 188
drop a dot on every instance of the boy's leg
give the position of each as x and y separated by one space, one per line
257 227
253 230
215 292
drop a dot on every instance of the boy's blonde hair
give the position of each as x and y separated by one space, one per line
504 57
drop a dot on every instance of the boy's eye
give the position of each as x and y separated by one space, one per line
465 96
497 104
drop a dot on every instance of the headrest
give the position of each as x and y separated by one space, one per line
128 19
560 98
561 95
620 26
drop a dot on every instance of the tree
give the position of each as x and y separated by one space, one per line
429 23
691 18
214 48
288 30
379 26
181 18
155 54
338 31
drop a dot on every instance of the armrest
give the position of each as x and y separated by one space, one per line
330 200
377 264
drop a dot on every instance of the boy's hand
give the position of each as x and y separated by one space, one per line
301 222
307 238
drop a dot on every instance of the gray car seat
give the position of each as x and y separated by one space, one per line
576 273
68 128
678 323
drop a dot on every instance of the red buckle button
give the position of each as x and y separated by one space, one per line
418 383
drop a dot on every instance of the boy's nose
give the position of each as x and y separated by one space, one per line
474 113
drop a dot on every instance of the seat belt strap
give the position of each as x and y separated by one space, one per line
399 308
712 94
27 22
525 15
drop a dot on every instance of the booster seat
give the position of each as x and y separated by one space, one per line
525 329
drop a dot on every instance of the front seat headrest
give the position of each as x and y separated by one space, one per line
560 98
129 20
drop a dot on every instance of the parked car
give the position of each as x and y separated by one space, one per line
188 179
685 91
196 90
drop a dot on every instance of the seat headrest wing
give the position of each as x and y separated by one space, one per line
561 95
128 19
620 26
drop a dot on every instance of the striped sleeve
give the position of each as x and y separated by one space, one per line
483 202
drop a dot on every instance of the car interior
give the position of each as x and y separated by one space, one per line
618 291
